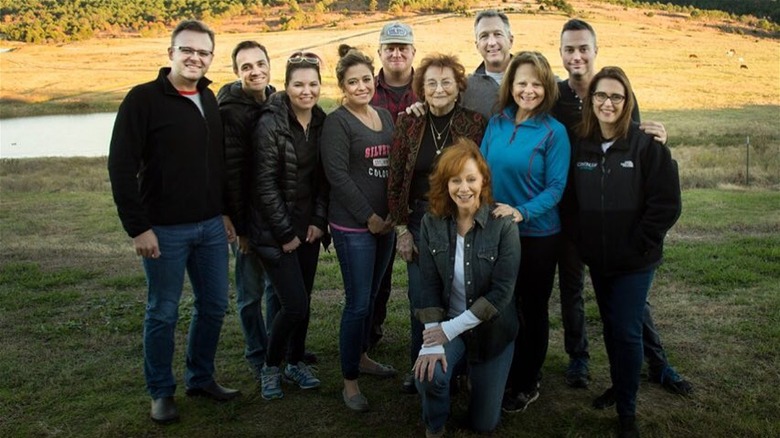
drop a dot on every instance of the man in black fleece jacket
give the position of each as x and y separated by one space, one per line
166 168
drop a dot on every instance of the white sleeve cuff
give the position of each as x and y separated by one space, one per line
436 349
465 321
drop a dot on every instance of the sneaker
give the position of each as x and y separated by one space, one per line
605 400
301 375
671 381
627 427
519 402
577 374
271 383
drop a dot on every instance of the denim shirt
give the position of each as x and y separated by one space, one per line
492 258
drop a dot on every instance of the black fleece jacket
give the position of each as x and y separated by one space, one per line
166 160
627 198
240 113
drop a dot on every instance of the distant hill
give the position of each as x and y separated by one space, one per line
47 21
768 9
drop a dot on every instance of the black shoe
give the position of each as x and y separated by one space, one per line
214 391
164 411
672 382
518 403
408 385
627 427
605 400
577 374
309 358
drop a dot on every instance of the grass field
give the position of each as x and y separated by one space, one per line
72 300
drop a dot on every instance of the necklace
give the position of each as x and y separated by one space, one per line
436 134
367 118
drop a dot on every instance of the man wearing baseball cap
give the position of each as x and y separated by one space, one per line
394 93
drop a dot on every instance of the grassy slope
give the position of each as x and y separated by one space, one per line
655 51
72 300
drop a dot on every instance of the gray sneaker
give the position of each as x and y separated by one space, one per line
301 375
271 383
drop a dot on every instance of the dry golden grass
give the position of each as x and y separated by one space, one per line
657 52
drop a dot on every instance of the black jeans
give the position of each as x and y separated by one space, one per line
571 282
533 289
292 276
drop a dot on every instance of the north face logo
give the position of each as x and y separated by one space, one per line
628 164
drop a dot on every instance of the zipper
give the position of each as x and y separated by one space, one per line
603 210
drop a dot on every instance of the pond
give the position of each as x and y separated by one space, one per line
80 135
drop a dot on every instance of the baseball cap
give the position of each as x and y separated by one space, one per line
396 33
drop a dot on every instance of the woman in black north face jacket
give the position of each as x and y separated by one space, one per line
628 196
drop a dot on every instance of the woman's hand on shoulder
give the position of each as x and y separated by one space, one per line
504 210
654 129
416 109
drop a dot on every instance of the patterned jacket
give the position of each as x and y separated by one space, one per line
407 137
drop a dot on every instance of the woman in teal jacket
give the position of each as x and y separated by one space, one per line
528 154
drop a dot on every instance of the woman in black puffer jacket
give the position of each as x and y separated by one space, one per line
289 210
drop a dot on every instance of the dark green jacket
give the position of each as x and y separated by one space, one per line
492 259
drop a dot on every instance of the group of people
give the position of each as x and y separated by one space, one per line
483 184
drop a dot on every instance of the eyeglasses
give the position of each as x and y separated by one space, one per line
601 97
299 57
445 85
189 51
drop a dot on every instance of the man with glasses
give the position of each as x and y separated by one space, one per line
578 53
240 103
393 92
166 168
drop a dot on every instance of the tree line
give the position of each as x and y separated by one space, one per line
42 21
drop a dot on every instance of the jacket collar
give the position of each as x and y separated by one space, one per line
509 113
480 217
170 89
382 83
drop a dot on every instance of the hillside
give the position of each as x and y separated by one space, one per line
57 21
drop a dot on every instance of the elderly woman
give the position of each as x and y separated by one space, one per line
528 153
356 142
417 142
628 196
289 212
469 260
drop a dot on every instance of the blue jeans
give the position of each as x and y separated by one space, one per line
488 379
250 282
200 248
363 258
621 300
571 275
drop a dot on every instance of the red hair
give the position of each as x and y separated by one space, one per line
450 164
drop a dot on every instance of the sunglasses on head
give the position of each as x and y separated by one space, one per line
308 57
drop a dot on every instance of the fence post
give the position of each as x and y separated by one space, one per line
747 161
